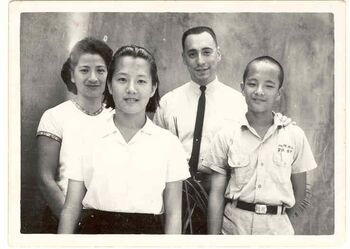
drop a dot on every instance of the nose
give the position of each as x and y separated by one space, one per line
259 90
93 77
200 59
131 87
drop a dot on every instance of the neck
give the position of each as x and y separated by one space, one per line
129 121
204 83
260 120
89 105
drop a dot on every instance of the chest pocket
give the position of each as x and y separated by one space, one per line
241 171
282 164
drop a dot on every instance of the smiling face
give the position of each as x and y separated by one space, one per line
201 57
131 85
89 76
261 87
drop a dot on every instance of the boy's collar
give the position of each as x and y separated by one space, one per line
279 121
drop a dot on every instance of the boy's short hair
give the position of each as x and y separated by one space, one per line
198 30
268 59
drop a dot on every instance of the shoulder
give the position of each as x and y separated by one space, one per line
175 94
229 90
59 111
294 131
230 93
61 108
227 133
107 112
163 135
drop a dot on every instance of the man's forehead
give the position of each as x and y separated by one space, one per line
199 41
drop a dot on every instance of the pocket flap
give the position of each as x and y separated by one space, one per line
238 160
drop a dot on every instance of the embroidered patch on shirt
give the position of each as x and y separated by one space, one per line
285 148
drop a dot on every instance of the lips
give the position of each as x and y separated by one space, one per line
201 69
130 100
258 100
93 86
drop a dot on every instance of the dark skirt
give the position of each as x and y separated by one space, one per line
102 222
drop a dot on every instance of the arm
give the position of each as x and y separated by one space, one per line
48 159
216 203
299 189
72 207
173 206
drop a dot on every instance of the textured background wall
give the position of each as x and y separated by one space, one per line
303 43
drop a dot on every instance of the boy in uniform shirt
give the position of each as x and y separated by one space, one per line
264 159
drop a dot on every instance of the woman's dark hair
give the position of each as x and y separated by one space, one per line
88 45
136 52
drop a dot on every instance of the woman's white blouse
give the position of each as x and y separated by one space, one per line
129 177
64 124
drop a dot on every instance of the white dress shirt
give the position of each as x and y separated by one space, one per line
178 110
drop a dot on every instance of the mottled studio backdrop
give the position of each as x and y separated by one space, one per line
303 43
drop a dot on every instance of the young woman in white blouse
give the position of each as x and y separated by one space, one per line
84 74
132 172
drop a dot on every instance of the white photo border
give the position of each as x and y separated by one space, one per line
35 240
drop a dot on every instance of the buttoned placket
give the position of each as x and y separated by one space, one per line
260 166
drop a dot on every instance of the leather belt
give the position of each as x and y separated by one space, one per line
260 208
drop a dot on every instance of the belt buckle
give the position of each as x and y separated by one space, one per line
260 208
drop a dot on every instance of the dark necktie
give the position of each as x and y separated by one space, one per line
197 134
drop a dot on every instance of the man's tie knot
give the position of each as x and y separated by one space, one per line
203 88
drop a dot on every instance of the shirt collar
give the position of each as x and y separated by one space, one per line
277 121
210 86
148 128
110 127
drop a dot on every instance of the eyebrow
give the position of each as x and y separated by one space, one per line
205 48
122 73
100 65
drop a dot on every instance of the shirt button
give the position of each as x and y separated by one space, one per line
261 164
259 186
196 139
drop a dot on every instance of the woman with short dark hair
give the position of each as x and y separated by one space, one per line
84 74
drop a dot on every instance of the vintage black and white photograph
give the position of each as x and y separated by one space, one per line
181 118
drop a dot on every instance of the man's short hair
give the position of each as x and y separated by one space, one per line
268 59
198 30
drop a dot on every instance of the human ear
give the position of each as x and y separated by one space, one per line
219 53
278 96
184 58
242 88
109 85
154 88
72 76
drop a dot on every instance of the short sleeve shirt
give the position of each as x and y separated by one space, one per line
129 177
260 168
64 123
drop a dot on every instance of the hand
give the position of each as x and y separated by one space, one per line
284 119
